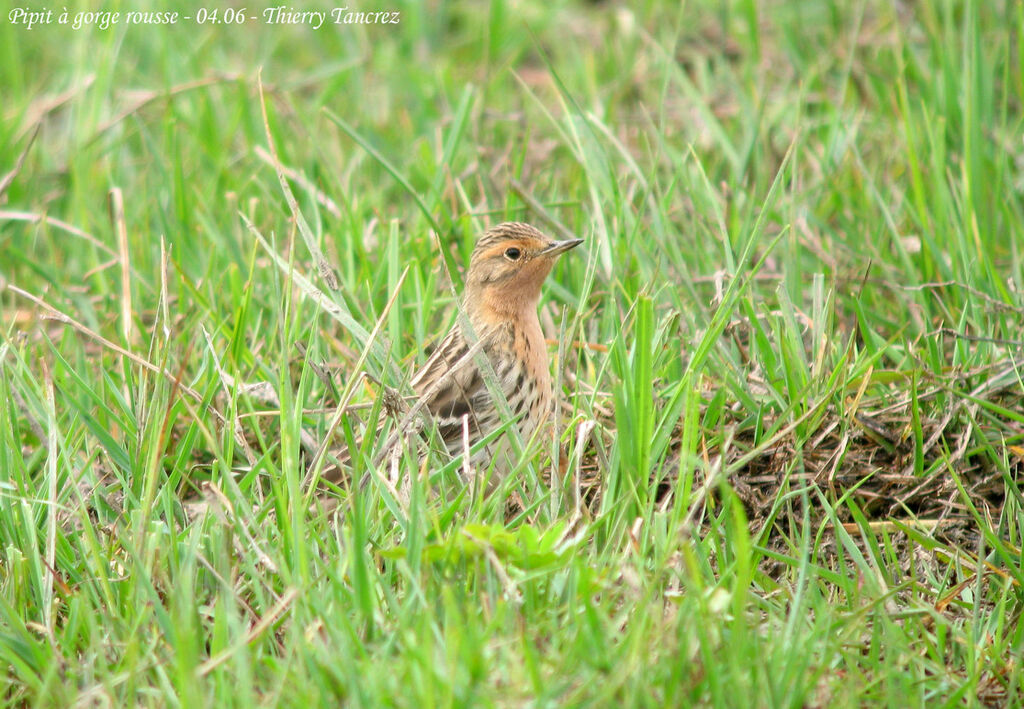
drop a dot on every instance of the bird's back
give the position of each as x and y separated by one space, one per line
517 358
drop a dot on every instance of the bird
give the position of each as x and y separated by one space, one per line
508 266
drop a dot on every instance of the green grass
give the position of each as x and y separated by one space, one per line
795 426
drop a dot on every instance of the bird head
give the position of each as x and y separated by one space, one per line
508 266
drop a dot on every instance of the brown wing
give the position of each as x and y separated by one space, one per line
462 389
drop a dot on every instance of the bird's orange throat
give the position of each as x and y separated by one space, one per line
512 299
497 306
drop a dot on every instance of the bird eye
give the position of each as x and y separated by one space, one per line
512 253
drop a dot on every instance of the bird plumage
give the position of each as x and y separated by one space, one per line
508 266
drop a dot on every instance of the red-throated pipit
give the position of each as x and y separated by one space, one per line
508 266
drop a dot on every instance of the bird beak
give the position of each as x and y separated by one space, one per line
559 247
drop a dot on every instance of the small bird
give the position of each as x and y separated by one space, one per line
508 266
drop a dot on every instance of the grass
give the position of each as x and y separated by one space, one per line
791 353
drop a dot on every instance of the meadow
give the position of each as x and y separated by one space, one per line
790 355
